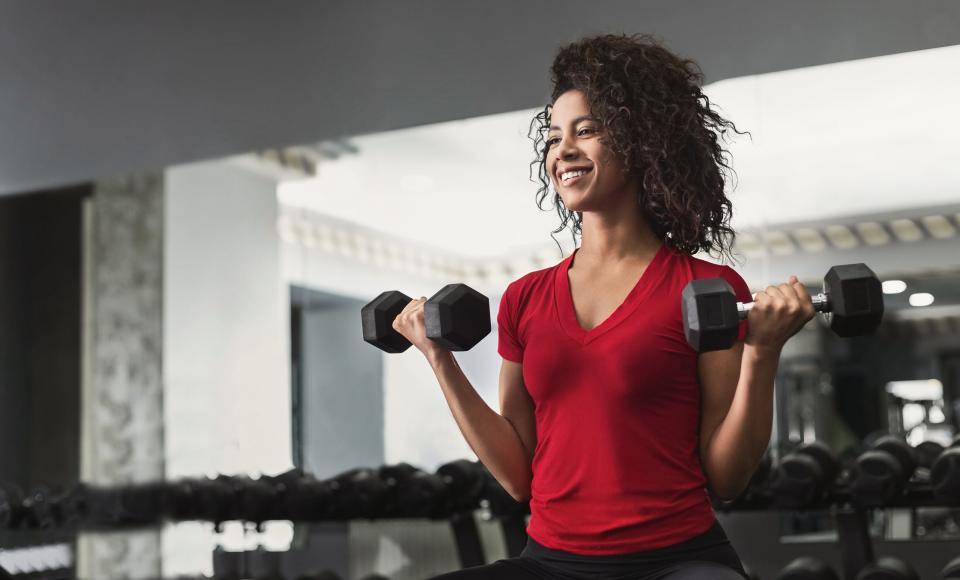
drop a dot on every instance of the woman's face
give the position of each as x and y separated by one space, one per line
585 173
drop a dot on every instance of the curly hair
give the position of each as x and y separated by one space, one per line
654 116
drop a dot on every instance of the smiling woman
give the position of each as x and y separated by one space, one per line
610 425
645 106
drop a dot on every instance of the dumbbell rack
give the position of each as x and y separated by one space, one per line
748 527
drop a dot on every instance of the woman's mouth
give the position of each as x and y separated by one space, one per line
571 177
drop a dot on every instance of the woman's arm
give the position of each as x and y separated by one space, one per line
737 415
737 388
504 442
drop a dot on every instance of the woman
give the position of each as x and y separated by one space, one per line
610 424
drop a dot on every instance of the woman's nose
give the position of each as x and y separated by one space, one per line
567 150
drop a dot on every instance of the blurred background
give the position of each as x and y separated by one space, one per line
196 199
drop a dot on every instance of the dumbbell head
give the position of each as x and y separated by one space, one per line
802 477
945 475
807 568
710 318
457 317
856 299
927 452
952 570
880 474
377 320
888 568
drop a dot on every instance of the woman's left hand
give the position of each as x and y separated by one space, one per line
778 313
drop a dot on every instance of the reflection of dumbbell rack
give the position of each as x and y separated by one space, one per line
891 476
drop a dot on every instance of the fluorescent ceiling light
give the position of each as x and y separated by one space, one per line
906 230
939 227
894 286
873 233
921 299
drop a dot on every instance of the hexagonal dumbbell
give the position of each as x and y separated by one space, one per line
852 296
457 317
804 476
807 568
881 474
945 477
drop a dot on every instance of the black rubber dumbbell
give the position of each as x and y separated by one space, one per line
852 296
310 499
412 492
457 318
951 571
945 474
807 568
927 452
888 568
804 476
358 493
881 474
465 481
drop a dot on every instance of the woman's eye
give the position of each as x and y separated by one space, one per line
588 130
552 141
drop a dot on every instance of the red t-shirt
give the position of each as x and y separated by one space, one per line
616 468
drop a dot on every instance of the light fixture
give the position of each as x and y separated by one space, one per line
873 233
921 299
841 237
939 227
906 230
809 239
779 243
750 245
894 286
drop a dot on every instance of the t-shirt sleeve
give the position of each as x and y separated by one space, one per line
742 291
508 343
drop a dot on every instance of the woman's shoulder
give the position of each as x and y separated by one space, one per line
532 282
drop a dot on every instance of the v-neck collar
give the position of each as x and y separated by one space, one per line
563 297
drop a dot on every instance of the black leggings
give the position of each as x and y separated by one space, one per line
708 556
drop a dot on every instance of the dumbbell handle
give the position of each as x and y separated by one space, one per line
821 303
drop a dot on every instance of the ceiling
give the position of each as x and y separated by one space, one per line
103 88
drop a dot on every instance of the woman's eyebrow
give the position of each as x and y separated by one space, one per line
575 121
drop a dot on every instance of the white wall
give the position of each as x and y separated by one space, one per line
226 341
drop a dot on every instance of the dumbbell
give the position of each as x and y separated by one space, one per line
803 476
466 481
881 474
945 474
457 318
412 492
951 571
807 568
927 452
888 568
852 296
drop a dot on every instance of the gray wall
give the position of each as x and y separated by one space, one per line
340 410
105 87
40 350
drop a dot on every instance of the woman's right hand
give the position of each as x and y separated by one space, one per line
409 323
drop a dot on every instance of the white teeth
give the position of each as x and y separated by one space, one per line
571 174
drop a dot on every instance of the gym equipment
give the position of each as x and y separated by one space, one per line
952 570
807 568
465 481
945 475
803 477
11 506
852 297
881 474
888 568
457 318
412 492
927 452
